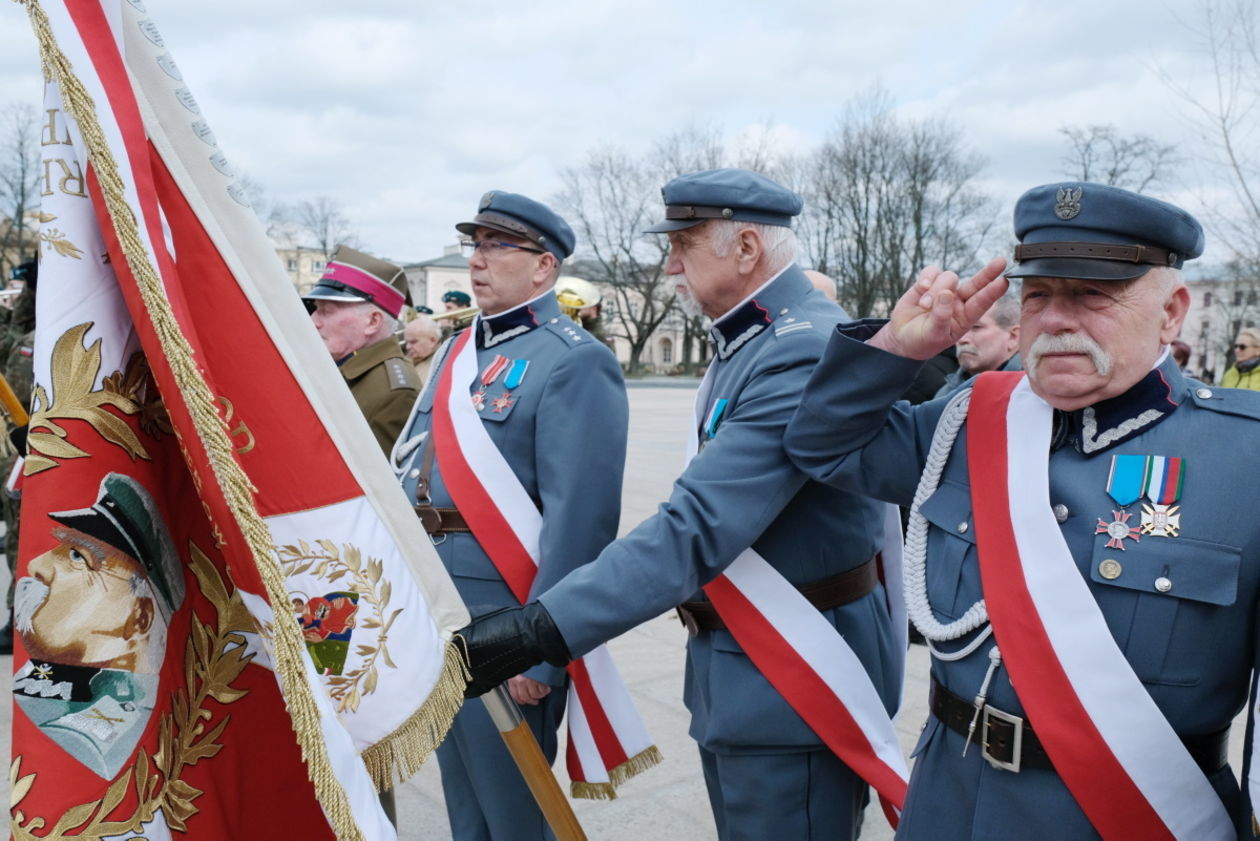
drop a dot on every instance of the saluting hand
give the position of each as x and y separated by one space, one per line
938 309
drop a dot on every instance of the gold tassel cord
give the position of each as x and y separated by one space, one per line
632 767
397 756
209 426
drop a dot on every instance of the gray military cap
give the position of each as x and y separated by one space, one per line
1096 232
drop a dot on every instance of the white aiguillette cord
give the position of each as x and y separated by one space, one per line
915 569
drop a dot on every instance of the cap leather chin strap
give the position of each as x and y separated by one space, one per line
506 223
689 211
1146 254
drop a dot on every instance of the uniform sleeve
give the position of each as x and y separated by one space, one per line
389 417
580 454
728 495
851 432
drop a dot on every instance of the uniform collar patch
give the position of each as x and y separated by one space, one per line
1097 428
738 326
496 329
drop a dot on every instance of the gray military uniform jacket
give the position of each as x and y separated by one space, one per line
1182 609
741 490
562 430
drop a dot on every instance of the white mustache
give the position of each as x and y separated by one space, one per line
1068 343
28 597
966 349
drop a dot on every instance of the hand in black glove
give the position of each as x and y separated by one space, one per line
506 642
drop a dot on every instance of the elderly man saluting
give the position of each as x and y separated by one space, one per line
1081 557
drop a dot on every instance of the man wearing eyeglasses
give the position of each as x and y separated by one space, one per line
523 422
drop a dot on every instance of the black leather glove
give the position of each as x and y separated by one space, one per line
508 641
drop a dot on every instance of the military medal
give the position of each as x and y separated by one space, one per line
1162 486
488 375
1125 482
1117 530
501 403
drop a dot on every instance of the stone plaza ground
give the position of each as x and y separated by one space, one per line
669 801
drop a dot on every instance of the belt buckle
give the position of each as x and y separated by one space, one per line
1017 739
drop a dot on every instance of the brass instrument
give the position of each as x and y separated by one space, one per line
459 319
575 294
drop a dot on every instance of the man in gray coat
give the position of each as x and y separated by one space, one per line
1082 556
740 504
545 402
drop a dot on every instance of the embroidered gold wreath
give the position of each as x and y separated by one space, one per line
330 564
74 371
214 657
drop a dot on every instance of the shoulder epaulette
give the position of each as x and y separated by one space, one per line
1241 402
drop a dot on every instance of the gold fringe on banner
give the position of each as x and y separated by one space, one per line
290 650
396 757
632 767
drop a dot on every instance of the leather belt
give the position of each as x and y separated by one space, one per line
1008 742
824 594
441 520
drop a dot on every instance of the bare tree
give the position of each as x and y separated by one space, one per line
1100 153
19 183
884 197
1227 116
611 198
324 221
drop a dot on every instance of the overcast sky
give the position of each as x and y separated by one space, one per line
407 112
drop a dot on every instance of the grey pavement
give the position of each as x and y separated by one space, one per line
667 802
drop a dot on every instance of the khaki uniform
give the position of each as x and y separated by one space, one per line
385 385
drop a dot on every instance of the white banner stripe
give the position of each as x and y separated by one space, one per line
822 647
1137 732
615 700
583 742
484 458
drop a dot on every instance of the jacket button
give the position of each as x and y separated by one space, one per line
1061 513
1203 393
962 527
1163 584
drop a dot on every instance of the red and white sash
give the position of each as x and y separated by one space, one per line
807 660
1114 749
608 742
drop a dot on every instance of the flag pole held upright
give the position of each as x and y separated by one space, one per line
533 765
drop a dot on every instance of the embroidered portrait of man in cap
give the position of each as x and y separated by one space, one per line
93 613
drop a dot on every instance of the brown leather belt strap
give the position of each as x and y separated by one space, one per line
1097 251
823 594
441 520
1008 741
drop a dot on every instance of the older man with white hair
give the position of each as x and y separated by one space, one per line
356 307
1082 556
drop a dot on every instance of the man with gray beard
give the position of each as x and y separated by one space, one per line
739 503
1082 556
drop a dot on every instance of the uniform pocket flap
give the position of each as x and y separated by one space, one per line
949 509
1180 567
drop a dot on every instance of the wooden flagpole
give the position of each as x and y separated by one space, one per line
533 765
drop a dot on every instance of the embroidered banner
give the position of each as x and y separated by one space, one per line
196 470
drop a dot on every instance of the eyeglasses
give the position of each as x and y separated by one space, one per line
493 247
